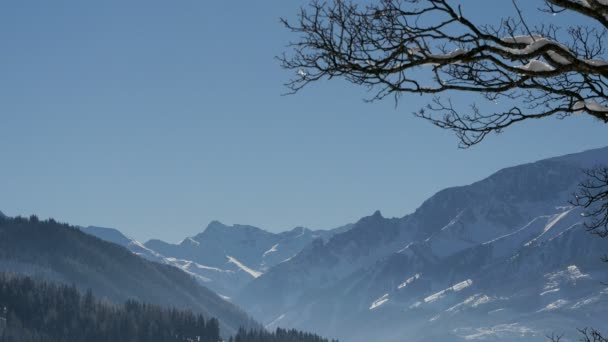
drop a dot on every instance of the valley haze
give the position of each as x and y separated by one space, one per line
506 257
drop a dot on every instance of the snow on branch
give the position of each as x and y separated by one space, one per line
395 47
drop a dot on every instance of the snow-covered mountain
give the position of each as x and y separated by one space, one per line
504 258
223 258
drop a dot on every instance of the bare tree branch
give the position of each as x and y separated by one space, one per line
397 47
591 335
554 337
586 335
593 197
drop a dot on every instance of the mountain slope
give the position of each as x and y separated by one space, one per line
438 272
226 258
223 258
115 236
59 252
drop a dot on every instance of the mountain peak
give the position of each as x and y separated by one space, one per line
299 230
214 227
377 215
371 219
215 224
506 236
217 229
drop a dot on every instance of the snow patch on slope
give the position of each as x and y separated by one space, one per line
550 291
250 271
186 264
555 305
274 322
271 250
552 222
496 332
378 302
458 287
408 281
473 302
590 300
570 274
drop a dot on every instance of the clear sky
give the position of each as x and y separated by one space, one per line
156 117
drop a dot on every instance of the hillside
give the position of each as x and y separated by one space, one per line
59 252
503 258
223 258
37 311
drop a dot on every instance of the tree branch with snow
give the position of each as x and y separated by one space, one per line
430 47
396 47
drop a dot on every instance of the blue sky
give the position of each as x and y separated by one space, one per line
156 117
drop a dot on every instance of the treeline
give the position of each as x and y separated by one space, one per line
280 335
58 252
33 311
38 311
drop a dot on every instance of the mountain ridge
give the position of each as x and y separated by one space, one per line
63 253
223 257
516 212
505 257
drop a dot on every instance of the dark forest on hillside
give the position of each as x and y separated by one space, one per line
34 311
57 252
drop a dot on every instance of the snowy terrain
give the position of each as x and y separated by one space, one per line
506 258
223 258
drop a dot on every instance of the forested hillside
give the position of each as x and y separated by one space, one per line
33 311
59 252
279 335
